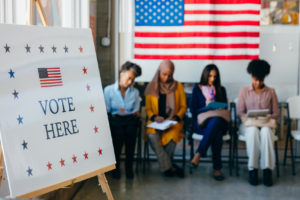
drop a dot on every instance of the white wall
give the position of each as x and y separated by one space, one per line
284 61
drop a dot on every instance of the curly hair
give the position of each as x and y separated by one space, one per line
259 69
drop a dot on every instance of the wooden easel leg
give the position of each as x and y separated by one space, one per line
41 11
105 187
1 165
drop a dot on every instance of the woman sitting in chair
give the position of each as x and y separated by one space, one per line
123 104
259 138
209 90
165 99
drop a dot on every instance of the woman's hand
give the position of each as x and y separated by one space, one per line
208 101
159 119
137 113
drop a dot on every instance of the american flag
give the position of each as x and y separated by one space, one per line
197 29
50 77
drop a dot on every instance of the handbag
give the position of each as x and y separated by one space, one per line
260 122
223 113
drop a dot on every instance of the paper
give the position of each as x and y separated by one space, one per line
163 125
257 113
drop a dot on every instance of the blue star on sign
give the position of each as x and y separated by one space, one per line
27 48
6 47
11 74
29 171
20 120
41 49
53 49
15 93
66 49
24 144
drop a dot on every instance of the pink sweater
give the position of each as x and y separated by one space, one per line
249 100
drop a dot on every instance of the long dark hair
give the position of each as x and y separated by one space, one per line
217 83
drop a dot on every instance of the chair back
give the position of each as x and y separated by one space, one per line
294 107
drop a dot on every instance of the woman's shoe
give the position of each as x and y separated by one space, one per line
253 177
193 165
179 171
219 177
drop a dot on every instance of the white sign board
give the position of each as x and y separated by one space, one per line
53 119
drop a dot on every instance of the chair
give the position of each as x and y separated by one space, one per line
240 137
293 114
197 137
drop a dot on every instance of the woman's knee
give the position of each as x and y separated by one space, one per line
252 132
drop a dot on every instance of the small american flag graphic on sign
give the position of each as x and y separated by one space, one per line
50 77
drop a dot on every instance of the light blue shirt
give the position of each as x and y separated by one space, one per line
114 100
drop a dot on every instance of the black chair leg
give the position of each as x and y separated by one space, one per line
277 160
145 156
292 156
230 158
191 155
183 153
285 149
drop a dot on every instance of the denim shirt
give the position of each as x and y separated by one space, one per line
114 100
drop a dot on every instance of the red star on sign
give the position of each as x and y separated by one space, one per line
96 129
92 108
74 159
80 49
100 151
86 156
62 162
84 70
88 87
49 165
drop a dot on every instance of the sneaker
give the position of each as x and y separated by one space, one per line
267 177
253 177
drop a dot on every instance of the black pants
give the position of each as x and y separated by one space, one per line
124 130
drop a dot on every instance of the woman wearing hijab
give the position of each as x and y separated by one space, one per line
165 99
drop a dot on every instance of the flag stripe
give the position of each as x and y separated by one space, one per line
218 17
199 51
54 79
237 7
192 40
193 28
222 23
190 46
222 1
197 34
52 85
222 12
197 57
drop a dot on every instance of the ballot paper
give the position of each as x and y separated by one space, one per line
162 125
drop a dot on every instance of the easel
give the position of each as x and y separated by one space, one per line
99 173
1 165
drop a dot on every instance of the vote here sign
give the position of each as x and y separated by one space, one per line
53 118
